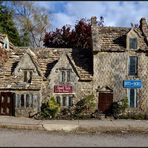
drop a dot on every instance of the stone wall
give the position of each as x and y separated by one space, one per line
111 68
80 88
34 103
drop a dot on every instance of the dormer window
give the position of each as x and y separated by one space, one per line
6 43
27 76
133 43
66 75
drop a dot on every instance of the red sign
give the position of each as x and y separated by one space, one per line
63 89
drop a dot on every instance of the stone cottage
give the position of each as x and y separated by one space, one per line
119 70
120 61
31 75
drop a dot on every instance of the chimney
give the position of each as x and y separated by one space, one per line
144 27
143 23
94 21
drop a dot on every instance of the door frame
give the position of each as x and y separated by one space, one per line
105 92
12 98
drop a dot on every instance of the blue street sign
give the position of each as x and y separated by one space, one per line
132 84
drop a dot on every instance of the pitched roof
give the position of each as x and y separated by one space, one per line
114 38
44 60
50 56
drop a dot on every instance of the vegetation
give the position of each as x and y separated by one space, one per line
66 37
79 37
7 25
30 20
85 107
82 110
119 107
50 109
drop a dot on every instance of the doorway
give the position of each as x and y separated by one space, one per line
105 101
7 103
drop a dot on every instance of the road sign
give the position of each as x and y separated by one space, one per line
132 84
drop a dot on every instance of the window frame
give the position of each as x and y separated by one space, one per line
27 75
133 45
58 99
135 98
135 73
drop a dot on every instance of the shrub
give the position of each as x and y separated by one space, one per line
119 107
50 109
85 107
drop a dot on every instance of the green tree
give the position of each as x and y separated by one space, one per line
7 26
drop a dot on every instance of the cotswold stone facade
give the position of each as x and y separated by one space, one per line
30 76
112 53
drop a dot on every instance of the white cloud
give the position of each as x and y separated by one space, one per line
61 19
115 13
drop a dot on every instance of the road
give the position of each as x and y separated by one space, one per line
28 138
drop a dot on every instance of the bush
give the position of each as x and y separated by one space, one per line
85 107
50 109
119 107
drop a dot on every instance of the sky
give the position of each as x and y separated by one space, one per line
115 13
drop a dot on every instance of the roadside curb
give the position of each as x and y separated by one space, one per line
22 126
75 128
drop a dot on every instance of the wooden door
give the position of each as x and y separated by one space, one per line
6 103
105 102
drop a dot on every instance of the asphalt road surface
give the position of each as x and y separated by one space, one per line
12 138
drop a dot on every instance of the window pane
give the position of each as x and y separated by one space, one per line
30 77
27 100
70 101
133 65
64 101
25 76
68 76
133 43
17 100
22 100
58 99
63 76
132 97
31 100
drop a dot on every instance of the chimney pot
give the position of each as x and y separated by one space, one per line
94 21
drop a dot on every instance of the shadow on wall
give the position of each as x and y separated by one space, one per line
83 58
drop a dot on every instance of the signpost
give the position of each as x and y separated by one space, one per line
132 84
63 89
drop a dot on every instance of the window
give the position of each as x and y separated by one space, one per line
27 76
133 43
6 42
31 100
63 76
27 100
22 101
70 101
132 98
68 76
58 99
30 77
64 101
17 100
133 65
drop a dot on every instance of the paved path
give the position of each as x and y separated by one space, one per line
68 125
32 138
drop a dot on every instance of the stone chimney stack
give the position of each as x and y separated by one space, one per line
94 21
144 27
